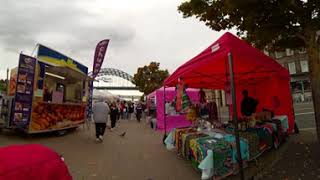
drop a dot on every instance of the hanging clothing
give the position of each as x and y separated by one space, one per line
178 99
202 96
213 112
182 99
185 100
204 111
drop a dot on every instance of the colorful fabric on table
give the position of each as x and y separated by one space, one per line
284 122
264 137
169 141
187 150
185 144
253 142
221 156
178 137
195 150
244 147
207 166
279 134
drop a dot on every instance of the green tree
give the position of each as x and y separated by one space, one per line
3 85
268 24
149 77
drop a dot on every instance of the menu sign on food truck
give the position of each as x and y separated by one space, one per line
24 91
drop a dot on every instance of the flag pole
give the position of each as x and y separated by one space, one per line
235 115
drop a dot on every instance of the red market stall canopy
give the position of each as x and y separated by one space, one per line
264 78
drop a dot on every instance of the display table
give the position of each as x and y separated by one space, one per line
214 151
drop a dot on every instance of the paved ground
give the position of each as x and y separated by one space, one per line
304 115
138 156
300 161
141 155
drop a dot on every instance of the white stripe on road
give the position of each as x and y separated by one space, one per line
298 114
307 129
302 109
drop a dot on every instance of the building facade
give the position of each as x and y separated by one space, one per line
296 61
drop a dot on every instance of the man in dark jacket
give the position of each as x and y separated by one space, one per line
248 104
139 111
114 112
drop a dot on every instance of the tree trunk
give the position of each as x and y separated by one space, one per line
313 50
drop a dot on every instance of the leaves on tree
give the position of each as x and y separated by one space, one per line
149 77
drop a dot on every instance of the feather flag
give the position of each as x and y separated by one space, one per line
99 54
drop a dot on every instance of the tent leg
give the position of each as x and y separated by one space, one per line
235 115
165 115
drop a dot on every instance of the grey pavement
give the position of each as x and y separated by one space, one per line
140 155
304 115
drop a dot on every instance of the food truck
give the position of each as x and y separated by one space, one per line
50 92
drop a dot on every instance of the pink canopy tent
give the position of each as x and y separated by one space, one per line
173 121
264 78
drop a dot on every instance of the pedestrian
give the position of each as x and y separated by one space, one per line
100 111
114 112
126 109
118 105
121 106
131 110
139 111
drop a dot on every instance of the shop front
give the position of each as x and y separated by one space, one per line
51 95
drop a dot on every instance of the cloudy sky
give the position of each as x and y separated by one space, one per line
140 31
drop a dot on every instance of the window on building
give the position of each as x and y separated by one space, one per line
302 50
304 66
292 68
289 52
307 85
279 54
296 87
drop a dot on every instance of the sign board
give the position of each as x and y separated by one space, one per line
24 91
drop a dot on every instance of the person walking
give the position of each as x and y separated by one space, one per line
118 105
139 111
121 108
126 109
131 110
100 111
114 112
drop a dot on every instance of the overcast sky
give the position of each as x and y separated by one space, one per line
140 31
